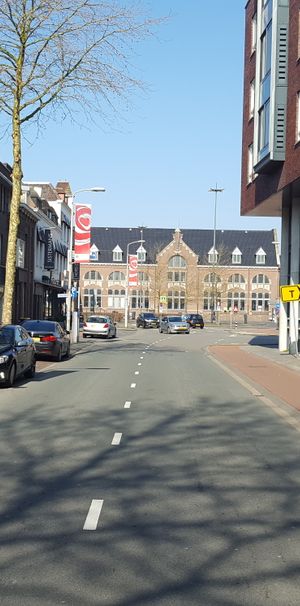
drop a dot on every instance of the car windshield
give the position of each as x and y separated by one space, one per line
196 317
97 320
175 319
39 325
6 336
149 316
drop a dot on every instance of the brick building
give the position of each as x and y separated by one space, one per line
180 272
271 135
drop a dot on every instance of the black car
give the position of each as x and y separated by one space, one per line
195 320
17 354
147 320
50 339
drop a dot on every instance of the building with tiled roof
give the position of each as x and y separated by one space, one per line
179 271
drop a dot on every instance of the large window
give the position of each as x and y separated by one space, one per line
211 300
143 278
176 299
260 301
236 301
116 298
177 261
176 276
260 280
140 299
236 280
212 279
117 277
93 275
92 298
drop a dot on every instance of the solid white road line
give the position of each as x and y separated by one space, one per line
116 439
127 404
93 515
133 385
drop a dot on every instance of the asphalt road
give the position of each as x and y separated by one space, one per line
140 473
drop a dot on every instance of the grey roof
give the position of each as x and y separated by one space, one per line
199 240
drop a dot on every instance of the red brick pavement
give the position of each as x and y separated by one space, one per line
276 378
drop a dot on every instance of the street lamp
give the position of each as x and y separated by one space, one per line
70 262
217 190
127 278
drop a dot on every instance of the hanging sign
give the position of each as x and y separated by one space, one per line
49 260
132 270
82 232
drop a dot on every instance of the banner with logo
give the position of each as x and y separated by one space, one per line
83 219
49 260
132 270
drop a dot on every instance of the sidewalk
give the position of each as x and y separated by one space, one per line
261 362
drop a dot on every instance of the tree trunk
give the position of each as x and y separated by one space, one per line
14 221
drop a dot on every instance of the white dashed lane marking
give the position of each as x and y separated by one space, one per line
133 385
116 439
127 404
137 372
139 363
92 518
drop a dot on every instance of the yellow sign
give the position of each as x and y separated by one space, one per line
290 292
163 299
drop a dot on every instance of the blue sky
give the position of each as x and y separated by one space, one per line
176 140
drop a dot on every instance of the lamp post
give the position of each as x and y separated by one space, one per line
70 262
217 190
127 277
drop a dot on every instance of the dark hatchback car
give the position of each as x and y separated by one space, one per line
17 354
50 339
147 320
194 320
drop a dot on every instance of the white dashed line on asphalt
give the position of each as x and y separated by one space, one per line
127 404
92 518
139 363
142 357
133 385
144 352
116 439
137 372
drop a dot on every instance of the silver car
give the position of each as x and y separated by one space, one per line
174 324
99 326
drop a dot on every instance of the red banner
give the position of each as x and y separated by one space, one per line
132 270
82 232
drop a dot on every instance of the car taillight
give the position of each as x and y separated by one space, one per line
106 326
51 338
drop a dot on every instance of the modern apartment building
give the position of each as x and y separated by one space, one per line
270 184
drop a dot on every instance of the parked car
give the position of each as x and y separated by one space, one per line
17 354
194 320
174 324
50 339
99 326
147 320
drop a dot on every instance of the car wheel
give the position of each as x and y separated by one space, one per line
68 351
11 375
115 334
59 356
168 330
84 336
201 327
187 332
29 374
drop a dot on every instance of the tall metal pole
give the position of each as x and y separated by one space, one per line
216 191
127 280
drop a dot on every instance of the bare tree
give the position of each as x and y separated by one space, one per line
57 56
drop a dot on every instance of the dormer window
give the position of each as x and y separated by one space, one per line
212 255
236 256
94 253
260 256
117 254
141 254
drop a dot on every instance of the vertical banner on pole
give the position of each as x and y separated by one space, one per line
82 232
132 273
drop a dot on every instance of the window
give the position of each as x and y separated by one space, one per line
143 278
20 259
117 254
94 253
236 256
212 256
260 280
253 32
116 276
260 301
212 279
140 299
260 257
176 299
92 275
250 163
116 299
92 298
211 300
236 300
236 280
251 99
298 117
176 276
177 261
141 254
